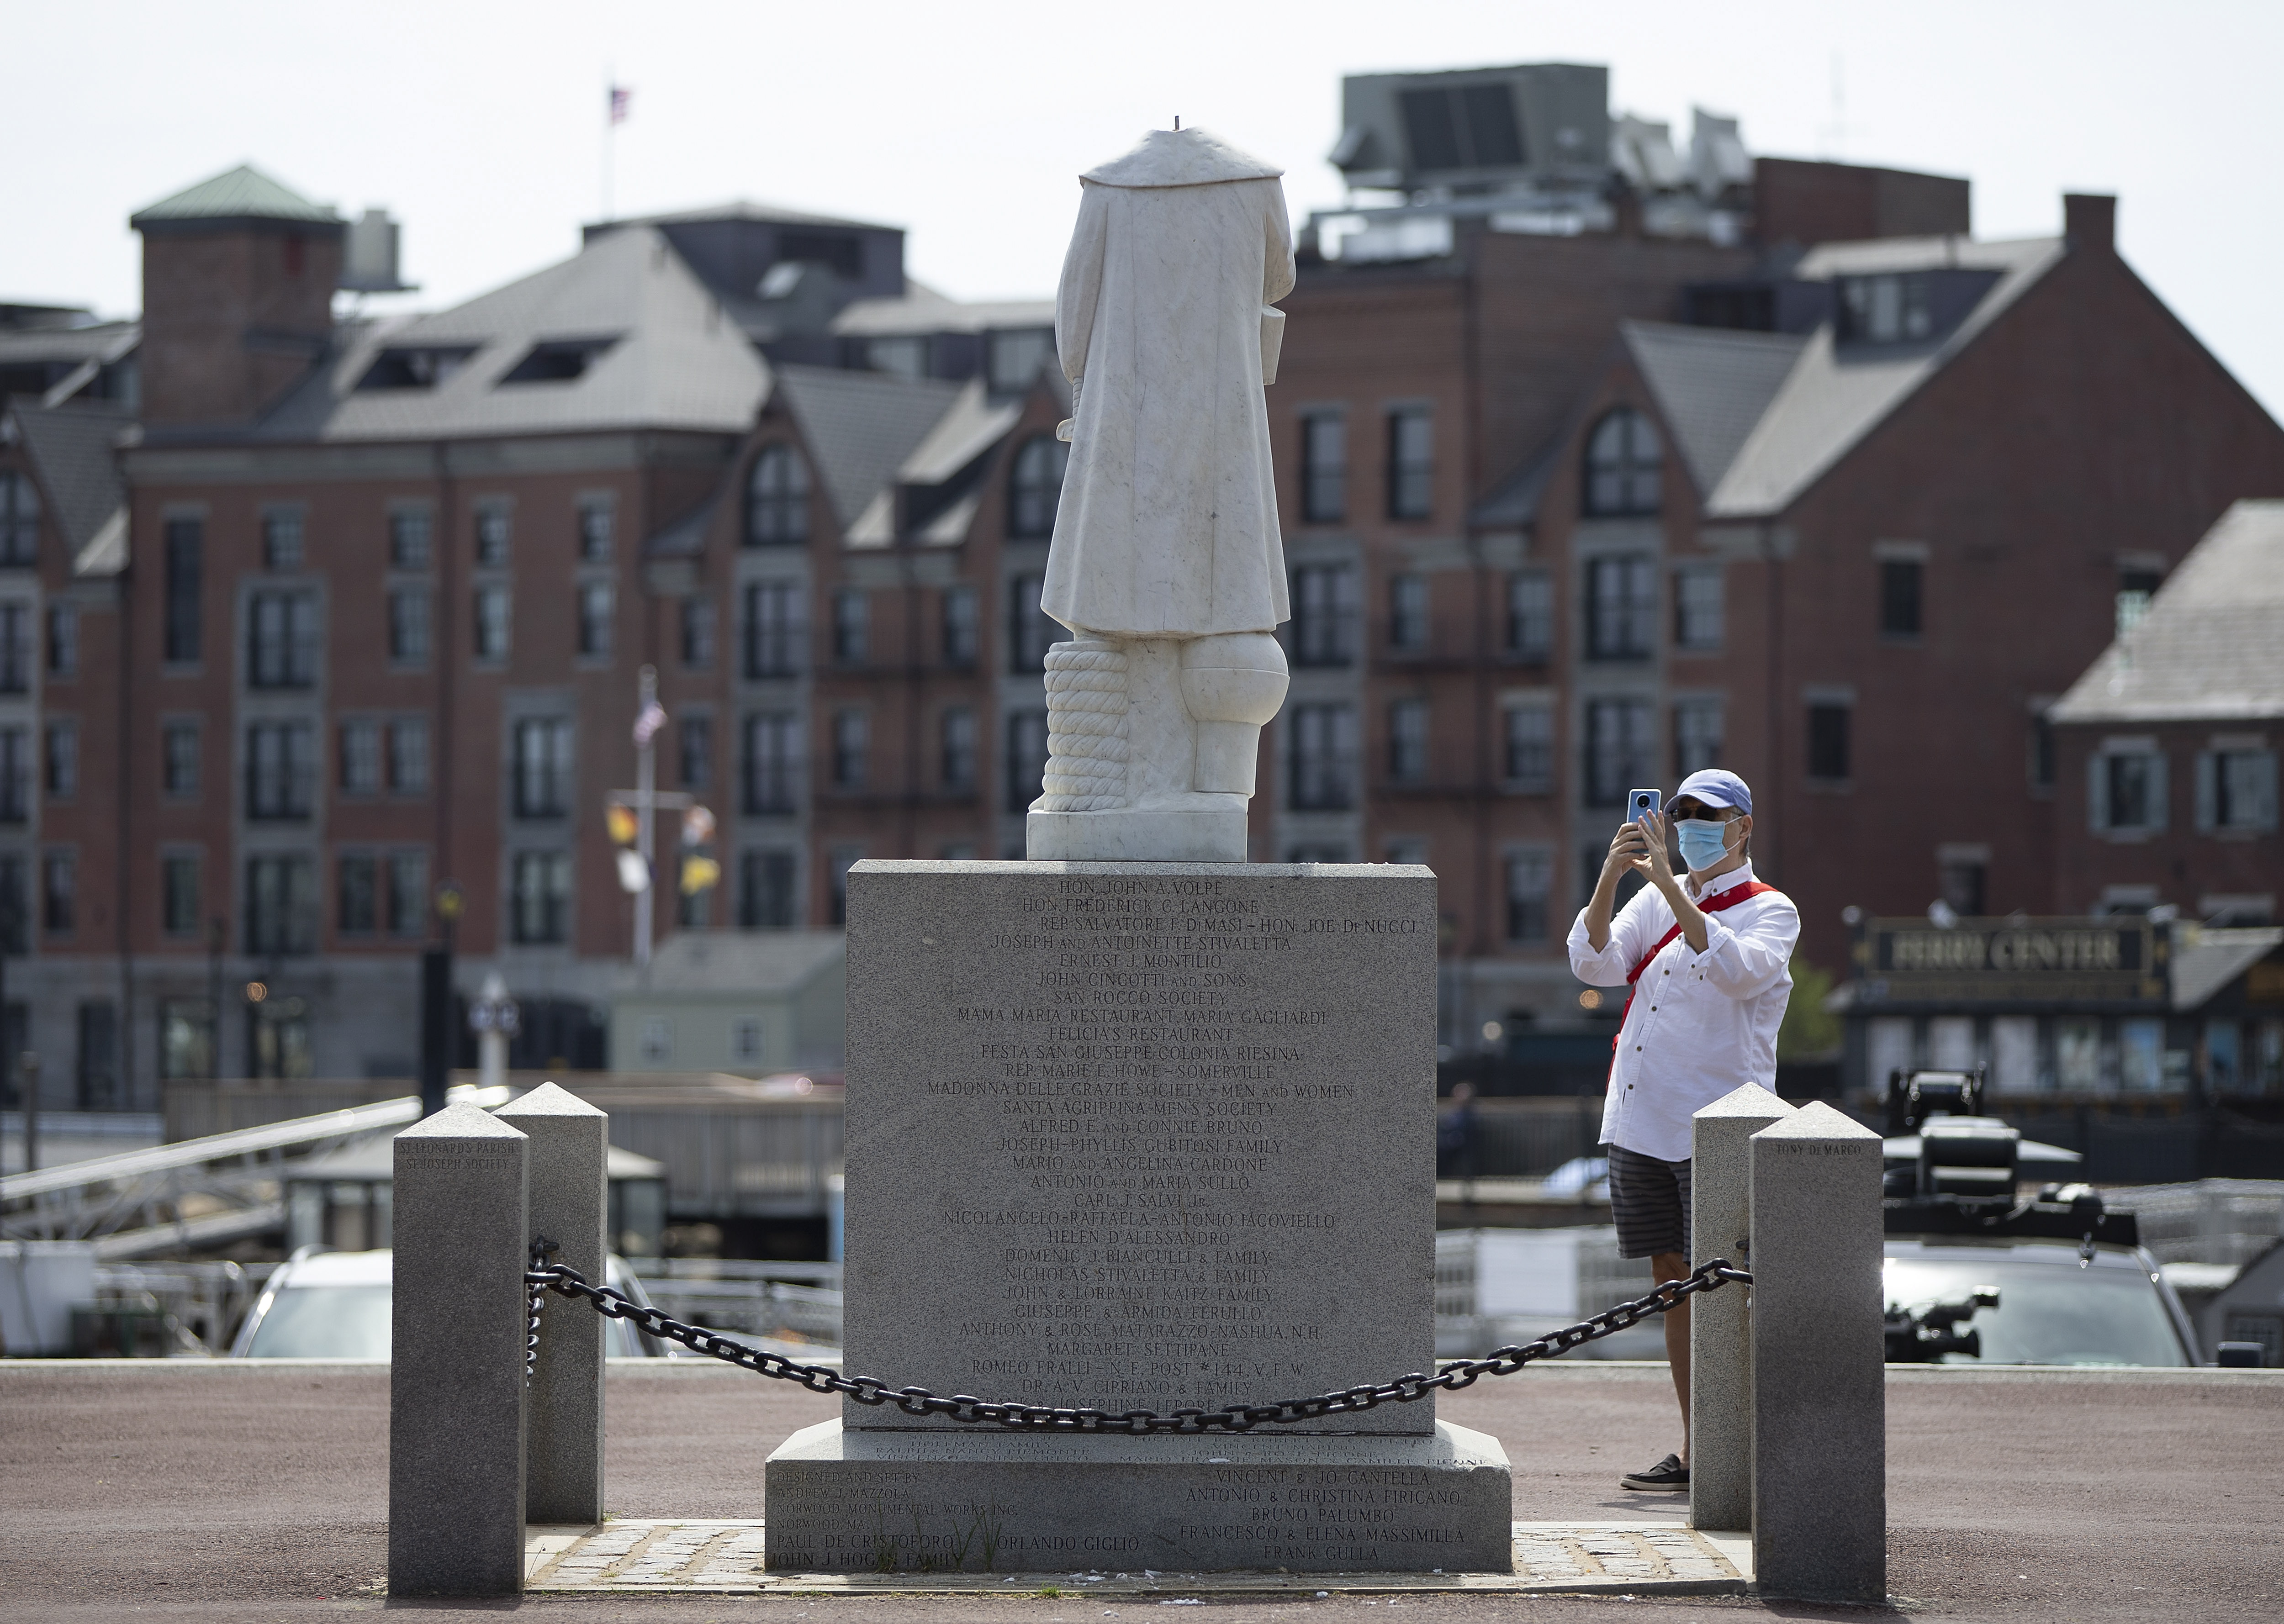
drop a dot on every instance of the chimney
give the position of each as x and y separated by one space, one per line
239 274
2090 221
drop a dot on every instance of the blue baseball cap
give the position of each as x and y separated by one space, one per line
1717 786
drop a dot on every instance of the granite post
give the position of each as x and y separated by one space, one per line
1140 1135
457 1331
1819 1376
1720 1322
569 1203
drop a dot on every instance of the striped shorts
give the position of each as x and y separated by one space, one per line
1649 1202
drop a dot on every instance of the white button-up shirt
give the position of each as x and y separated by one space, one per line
1701 1024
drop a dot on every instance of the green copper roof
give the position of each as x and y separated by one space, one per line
243 193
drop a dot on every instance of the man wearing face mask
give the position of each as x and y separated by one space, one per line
1707 958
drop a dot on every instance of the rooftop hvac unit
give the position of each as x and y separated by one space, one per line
369 259
1481 130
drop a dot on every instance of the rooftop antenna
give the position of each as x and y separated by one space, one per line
1835 133
1178 122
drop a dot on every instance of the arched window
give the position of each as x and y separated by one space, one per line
1036 486
1623 464
777 499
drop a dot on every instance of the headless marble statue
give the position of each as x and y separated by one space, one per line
1167 565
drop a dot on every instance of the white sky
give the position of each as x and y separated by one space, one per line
480 123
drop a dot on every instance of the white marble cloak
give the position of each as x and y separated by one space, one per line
1168 525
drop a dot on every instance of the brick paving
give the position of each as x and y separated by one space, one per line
724 1558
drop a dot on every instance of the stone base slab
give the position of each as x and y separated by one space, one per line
1136 834
843 1499
724 1558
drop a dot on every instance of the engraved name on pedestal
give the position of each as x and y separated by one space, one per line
1140 1136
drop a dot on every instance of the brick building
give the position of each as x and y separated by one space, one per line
2160 971
1599 460
350 610
2165 750
1587 487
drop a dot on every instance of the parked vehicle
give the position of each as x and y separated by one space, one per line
1972 1272
335 1305
1975 1275
2030 1301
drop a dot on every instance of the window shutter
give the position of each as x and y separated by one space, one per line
2208 799
2161 803
2097 792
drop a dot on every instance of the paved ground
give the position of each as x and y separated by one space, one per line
245 1493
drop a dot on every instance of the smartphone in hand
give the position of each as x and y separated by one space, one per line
1639 802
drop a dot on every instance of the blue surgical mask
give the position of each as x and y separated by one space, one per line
1702 844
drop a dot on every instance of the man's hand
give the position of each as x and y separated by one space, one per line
1654 866
1639 849
1630 853
1649 860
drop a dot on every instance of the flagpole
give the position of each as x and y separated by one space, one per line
610 134
646 728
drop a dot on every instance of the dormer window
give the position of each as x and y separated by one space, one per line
1891 308
557 361
1018 353
902 355
842 253
777 499
19 520
421 367
1624 466
1036 488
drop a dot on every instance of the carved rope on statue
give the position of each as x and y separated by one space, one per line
1086 727
1238 1418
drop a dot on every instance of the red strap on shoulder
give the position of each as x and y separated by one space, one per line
1726 900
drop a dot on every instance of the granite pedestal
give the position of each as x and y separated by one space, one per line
568 1202
1141 1137
1819 1379
845 1500
1720 1323
457 1339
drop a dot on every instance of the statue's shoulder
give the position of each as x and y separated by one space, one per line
1181 158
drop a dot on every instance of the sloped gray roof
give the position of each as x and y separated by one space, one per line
743 208
2206 960
973 426
686 537
674 361
103 342
243 193
860 427
923 309
1712 387
1513 503
2210 648
74 449
1834 396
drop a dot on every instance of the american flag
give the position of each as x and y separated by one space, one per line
620 98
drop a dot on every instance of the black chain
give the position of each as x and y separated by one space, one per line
542 1249
1238 1418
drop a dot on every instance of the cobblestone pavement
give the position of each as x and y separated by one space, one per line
724 1558
241 1494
